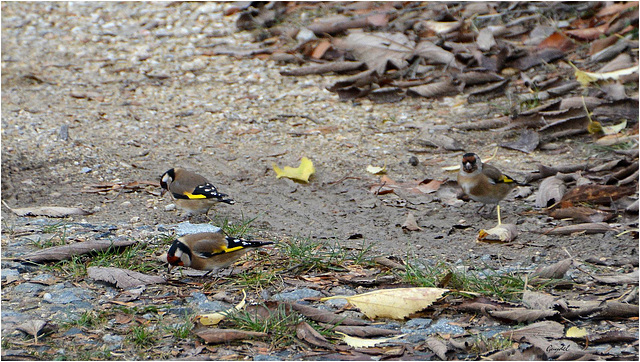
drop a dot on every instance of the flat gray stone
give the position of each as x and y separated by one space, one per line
297 294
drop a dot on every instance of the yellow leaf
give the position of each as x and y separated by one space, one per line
357 342
502 233
594 127
393 303
215 318
575 332
301 173
377 169
584 78
616 128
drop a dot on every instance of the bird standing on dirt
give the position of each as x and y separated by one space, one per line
484 183
192 192
209 251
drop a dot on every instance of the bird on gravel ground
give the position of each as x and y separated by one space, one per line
209 251
484 183
191 192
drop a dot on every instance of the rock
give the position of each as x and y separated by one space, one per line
59 294
28 288
186 227
203 304
297 295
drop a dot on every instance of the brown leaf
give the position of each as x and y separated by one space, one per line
521 315
123 278
615 309
553 271
436 55
378 49
324 316
527 142
32 327
599 194
410 223
612 337
545 329
630 278
589 228
336 67
557 40
438 89
217 335
582 308
539 300
553 348
436 139
49 211
438 347
306 333
589 33
320 49
538 57
551 191
582 214
63 252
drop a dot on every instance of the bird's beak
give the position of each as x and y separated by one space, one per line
466 166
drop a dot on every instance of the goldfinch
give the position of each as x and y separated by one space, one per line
191 192
484 183
209 251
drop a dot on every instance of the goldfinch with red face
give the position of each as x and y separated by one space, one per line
209 251
484 183
192 192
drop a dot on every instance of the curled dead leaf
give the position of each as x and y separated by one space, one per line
217 335
550 192
410 223
502 233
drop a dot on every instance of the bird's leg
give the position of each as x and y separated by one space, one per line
207 273
499 221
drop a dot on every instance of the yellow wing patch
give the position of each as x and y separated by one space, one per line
506 179
232 249
192 196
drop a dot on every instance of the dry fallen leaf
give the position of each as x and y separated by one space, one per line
357 342
393 303
575 332
306 333
57 253
502 233
553 271
550 192
545 329
301 173
49 211
32 327
410 223
588 77
324 316
376 170
216 335
215 318
522 315
123 278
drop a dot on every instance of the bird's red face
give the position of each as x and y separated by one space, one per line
469 163
174 260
